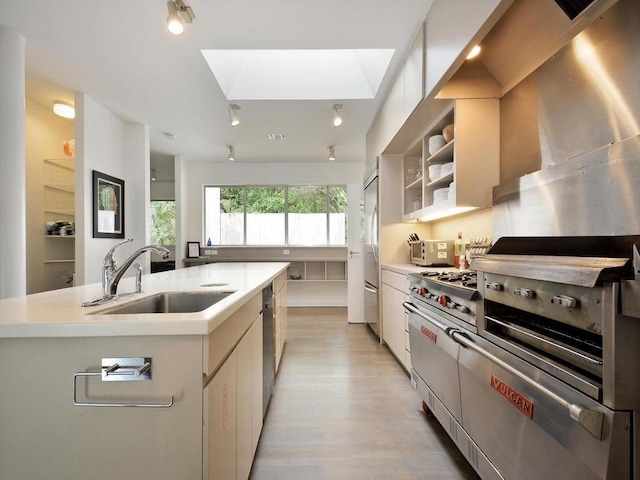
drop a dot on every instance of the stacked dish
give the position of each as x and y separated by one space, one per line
446 169
434 172
436 142
440 195
452 190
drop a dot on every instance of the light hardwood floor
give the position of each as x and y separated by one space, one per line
343 408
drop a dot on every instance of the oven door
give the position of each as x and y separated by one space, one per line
533 426
434 356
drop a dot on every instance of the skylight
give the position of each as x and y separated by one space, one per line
299 74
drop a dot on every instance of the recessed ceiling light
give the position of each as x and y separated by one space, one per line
474 52
64 109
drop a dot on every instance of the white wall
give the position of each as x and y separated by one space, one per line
198 174
109 145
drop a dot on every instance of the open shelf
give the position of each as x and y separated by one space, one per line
318 271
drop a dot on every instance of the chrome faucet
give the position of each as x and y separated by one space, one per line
111 273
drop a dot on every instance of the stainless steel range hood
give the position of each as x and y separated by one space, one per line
527 35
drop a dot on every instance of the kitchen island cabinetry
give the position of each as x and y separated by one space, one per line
198 415
471 162
233 397
395 290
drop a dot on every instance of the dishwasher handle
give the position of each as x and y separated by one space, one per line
591 420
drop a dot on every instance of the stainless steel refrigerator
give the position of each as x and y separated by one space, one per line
371 253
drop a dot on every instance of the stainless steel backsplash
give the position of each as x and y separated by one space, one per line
570 151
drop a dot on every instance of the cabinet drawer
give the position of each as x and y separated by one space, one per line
279 282
220 342
395 280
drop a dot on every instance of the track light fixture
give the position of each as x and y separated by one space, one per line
233 114
232 154
332 153
337 118
153 175
179 12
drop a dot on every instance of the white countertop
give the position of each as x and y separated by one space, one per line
59 313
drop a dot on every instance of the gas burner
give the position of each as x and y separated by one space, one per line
450 277
430 274
470 282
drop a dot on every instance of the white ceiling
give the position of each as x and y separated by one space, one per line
121 55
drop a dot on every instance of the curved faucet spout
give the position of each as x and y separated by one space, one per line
111 281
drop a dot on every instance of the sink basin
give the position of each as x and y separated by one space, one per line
169 302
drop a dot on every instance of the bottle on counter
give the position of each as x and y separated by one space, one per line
209 242
460 253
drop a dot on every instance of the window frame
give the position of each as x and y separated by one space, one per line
286 212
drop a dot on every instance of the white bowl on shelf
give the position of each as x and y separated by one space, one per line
436 142
434 172
446 169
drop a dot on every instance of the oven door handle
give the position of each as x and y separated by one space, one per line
591 420
410 307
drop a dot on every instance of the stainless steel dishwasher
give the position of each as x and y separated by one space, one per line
268 347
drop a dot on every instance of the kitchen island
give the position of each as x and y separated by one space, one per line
184 400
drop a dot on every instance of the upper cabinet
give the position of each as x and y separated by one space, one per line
454 165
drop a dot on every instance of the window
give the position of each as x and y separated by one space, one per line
276 215
163 222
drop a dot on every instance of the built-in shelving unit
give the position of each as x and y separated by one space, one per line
59 201
318 271
474 154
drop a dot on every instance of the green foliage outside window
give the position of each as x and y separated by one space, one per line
163 222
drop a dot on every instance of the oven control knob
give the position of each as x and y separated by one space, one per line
462 308
494 286
524 292
443 300
422 292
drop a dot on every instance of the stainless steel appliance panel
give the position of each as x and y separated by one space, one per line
371 307
371 232
434 357
371 254
550 444
463 441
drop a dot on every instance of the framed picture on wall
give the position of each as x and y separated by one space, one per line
108 206
193 249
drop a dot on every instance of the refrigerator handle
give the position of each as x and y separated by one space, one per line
374 229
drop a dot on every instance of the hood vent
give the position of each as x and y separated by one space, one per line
573 8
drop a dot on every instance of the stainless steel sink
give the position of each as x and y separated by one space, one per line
168 302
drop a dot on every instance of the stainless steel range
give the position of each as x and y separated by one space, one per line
545 383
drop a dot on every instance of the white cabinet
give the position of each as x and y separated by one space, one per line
221 397
395 289
470 163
